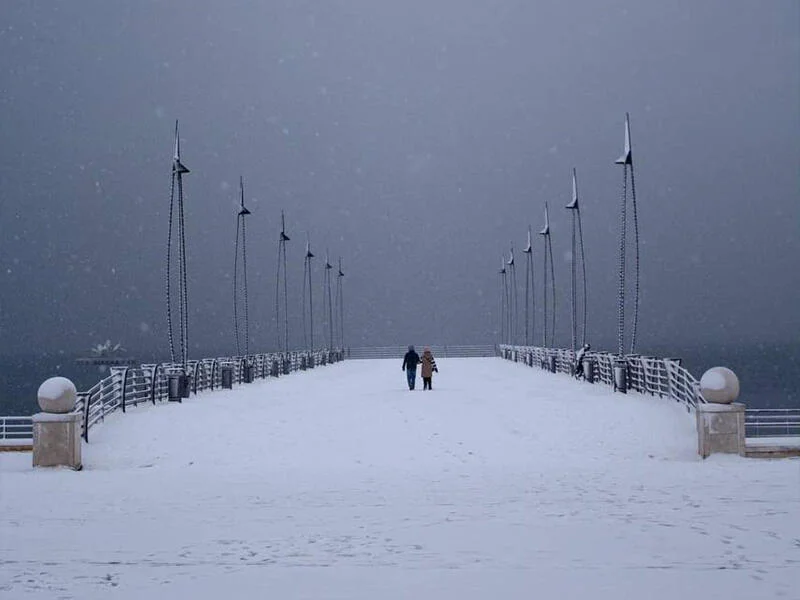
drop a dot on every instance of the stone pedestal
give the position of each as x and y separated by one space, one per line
720 429
57 440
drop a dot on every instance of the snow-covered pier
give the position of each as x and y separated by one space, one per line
503 481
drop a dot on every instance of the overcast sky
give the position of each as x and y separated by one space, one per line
415 139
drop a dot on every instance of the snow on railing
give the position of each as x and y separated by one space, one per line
127 387
16 429
772 422
664 377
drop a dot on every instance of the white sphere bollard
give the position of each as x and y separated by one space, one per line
57 395
719 385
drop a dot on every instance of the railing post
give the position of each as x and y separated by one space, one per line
124 386
153 379
645 378
102 405
87 403
194 383
668 366
214 368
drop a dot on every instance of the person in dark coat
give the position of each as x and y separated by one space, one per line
410 362
428 368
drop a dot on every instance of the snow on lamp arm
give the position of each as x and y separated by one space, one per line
627 154
177 165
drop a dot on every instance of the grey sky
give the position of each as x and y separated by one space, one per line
416 139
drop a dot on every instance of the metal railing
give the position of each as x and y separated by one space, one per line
447 351
15 429
127 387
772 422
664 377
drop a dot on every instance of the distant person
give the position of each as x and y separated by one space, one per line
579 360
410 361
428 368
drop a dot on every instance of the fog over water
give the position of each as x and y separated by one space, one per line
417 140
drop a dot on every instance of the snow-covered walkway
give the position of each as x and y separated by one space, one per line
503 482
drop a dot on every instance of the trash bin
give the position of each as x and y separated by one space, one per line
588 370
303 362
620 376
551 360
248 373
177 384
186 385
274 369
287 366
310 361
227 376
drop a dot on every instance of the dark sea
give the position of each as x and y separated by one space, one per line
21 375
769 374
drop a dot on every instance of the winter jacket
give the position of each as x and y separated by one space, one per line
428 364
410 360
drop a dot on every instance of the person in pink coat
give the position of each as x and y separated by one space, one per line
428 368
